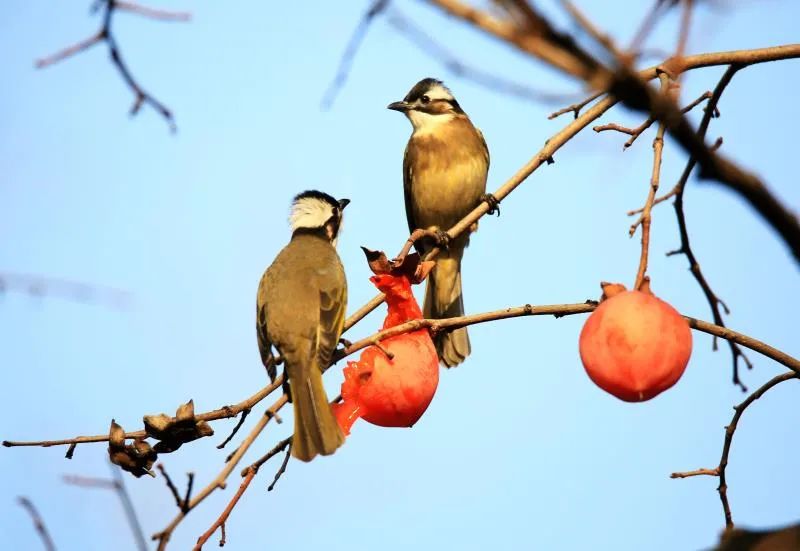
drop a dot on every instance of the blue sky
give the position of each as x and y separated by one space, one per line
519 450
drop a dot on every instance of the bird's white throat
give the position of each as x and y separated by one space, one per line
425 123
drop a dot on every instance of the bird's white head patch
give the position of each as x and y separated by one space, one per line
313 210
310 212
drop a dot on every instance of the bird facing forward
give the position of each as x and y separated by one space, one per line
300 311
444 177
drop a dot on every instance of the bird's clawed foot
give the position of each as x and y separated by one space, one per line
441 238
344 342
493 202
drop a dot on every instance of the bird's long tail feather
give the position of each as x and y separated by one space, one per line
316 431
443 299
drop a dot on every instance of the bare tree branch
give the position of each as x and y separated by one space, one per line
726 447
224 412
38 522
220 522
694 266
527 30
220 482
105 34
634 133
645 219
375 8
452 63
116 485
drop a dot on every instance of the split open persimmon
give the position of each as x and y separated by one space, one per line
393 384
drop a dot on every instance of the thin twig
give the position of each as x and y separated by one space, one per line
116 485
38 522
592 30
188 496
248 473
130 511
282 468
105 34
575 108
645 219
685 248
726 447
683 32
634 133
646 26
89 482
279 447
245 413
437 50
172 488
220 522
152 13
697 472
353 44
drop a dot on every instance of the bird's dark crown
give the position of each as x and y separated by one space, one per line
314 194
418 94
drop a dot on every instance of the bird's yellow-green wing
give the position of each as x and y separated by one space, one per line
332 308
264 344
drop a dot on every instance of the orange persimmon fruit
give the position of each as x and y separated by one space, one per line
634 345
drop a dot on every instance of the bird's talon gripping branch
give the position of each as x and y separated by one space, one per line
344 342
441 238
493 202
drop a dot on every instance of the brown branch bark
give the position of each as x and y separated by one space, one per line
646 218
224 412
227 512
726 447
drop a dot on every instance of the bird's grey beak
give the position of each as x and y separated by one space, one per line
401 106
343 203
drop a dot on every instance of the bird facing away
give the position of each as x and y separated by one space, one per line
444 177
300 310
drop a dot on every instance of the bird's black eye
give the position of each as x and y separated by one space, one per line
425 99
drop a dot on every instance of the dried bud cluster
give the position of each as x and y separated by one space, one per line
172 432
